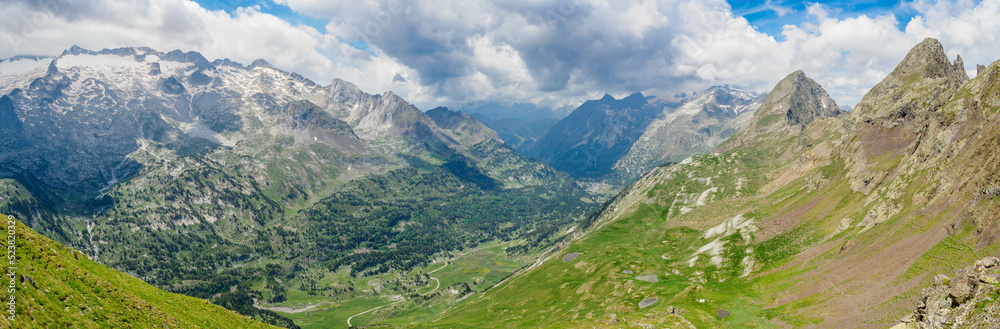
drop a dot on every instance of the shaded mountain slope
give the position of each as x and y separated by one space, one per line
589 141
608 143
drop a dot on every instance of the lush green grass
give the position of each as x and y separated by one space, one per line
479 269
649 240
57 287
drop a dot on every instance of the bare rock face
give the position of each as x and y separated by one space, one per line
966 301
979 69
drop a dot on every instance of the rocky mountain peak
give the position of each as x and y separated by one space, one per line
929 60
925 76
794 103
799 99
260 63
74 50
636 96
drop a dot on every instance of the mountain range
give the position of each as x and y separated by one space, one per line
288 201
200 177
612 142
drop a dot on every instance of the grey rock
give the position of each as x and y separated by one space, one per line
154 68
961 289
613 320
648 278
965 301
926 66
940 279
570 256
794 103
991 261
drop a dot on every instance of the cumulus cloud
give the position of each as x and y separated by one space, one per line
550 52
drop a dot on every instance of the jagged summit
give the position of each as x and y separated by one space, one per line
925 76
807 101
929 59
796 100
794 103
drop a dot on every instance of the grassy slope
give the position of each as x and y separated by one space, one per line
486 265
59 287
824 254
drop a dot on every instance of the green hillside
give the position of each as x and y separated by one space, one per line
58 287
802 219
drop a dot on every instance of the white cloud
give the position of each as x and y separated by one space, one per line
552 52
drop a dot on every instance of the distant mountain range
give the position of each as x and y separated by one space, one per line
616 141
250 187
191 174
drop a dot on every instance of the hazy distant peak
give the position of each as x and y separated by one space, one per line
260 63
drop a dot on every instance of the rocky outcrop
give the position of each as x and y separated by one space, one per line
966 300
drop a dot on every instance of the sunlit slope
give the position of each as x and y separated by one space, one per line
57 287
828 221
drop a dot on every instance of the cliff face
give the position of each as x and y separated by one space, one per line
923 82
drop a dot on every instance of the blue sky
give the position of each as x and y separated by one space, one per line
770 16
554 53
266 6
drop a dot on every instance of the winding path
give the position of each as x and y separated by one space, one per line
446 263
